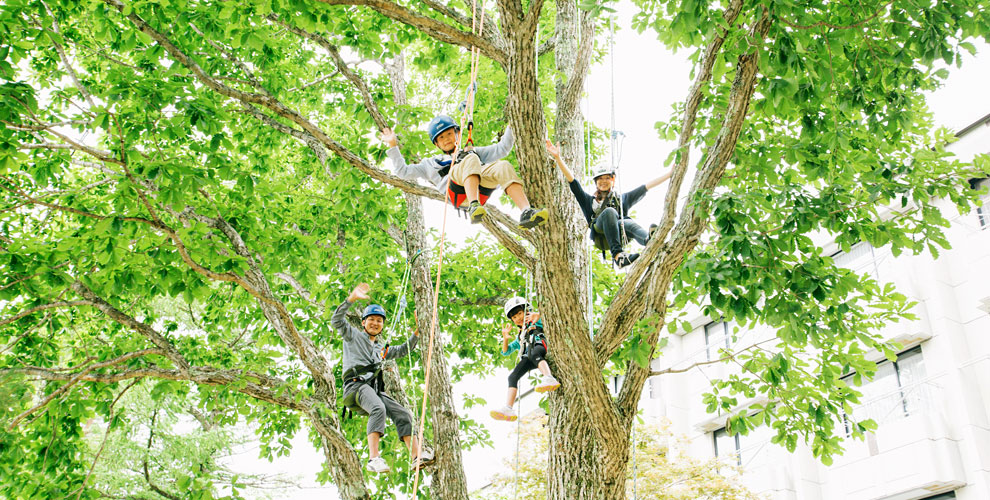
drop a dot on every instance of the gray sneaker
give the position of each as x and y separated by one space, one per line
624 259
476 211
531 218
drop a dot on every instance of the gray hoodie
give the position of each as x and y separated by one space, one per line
429 168
359 350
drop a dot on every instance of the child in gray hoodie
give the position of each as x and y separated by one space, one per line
364 354
472 177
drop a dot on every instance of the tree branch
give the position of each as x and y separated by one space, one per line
548 45
53 305
655 274
827 24
263 387
342 67
144 465
489 31
275 106
568 102
691 104
65 58
431 27
75 378
500 234
321 152
167 349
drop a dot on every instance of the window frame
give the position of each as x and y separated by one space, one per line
725 334
915 350
983 209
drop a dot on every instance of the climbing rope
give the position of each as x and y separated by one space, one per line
614 151
467 118
429 354
633 432
518 433
591 249
522 336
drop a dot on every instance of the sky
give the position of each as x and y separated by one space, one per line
645 90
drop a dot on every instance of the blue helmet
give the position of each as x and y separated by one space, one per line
373 310
438 125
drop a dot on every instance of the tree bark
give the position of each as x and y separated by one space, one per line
449 480
573 464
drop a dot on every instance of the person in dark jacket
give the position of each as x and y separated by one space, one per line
363 355
607 212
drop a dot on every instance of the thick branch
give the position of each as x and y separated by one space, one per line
489 30
167 349
431 27
695 95
568 101
262 387
78 377
630 302
53 305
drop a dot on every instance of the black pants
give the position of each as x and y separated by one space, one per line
607 223
529 361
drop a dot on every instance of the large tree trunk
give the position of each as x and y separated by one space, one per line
573 465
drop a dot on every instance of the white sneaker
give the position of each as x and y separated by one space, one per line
425 458
504 413
548 384
378 465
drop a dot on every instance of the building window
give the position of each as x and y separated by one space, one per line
983 207
743 448
941 496
726 445
861 259
716 338
898 390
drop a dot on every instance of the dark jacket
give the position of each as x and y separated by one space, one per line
586 201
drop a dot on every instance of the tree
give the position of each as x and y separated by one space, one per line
220 155
661 472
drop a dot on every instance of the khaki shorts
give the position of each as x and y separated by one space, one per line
492 175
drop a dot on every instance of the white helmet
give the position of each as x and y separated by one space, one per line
513 303
602 170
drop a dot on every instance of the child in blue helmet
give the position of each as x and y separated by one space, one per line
470 178
363 356
532 346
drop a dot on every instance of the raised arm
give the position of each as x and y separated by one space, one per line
497 151
339 319
555 152
660 180
508 345
399 165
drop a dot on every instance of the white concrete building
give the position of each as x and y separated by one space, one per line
932 405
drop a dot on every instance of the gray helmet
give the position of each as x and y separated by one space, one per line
513 303
602 170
